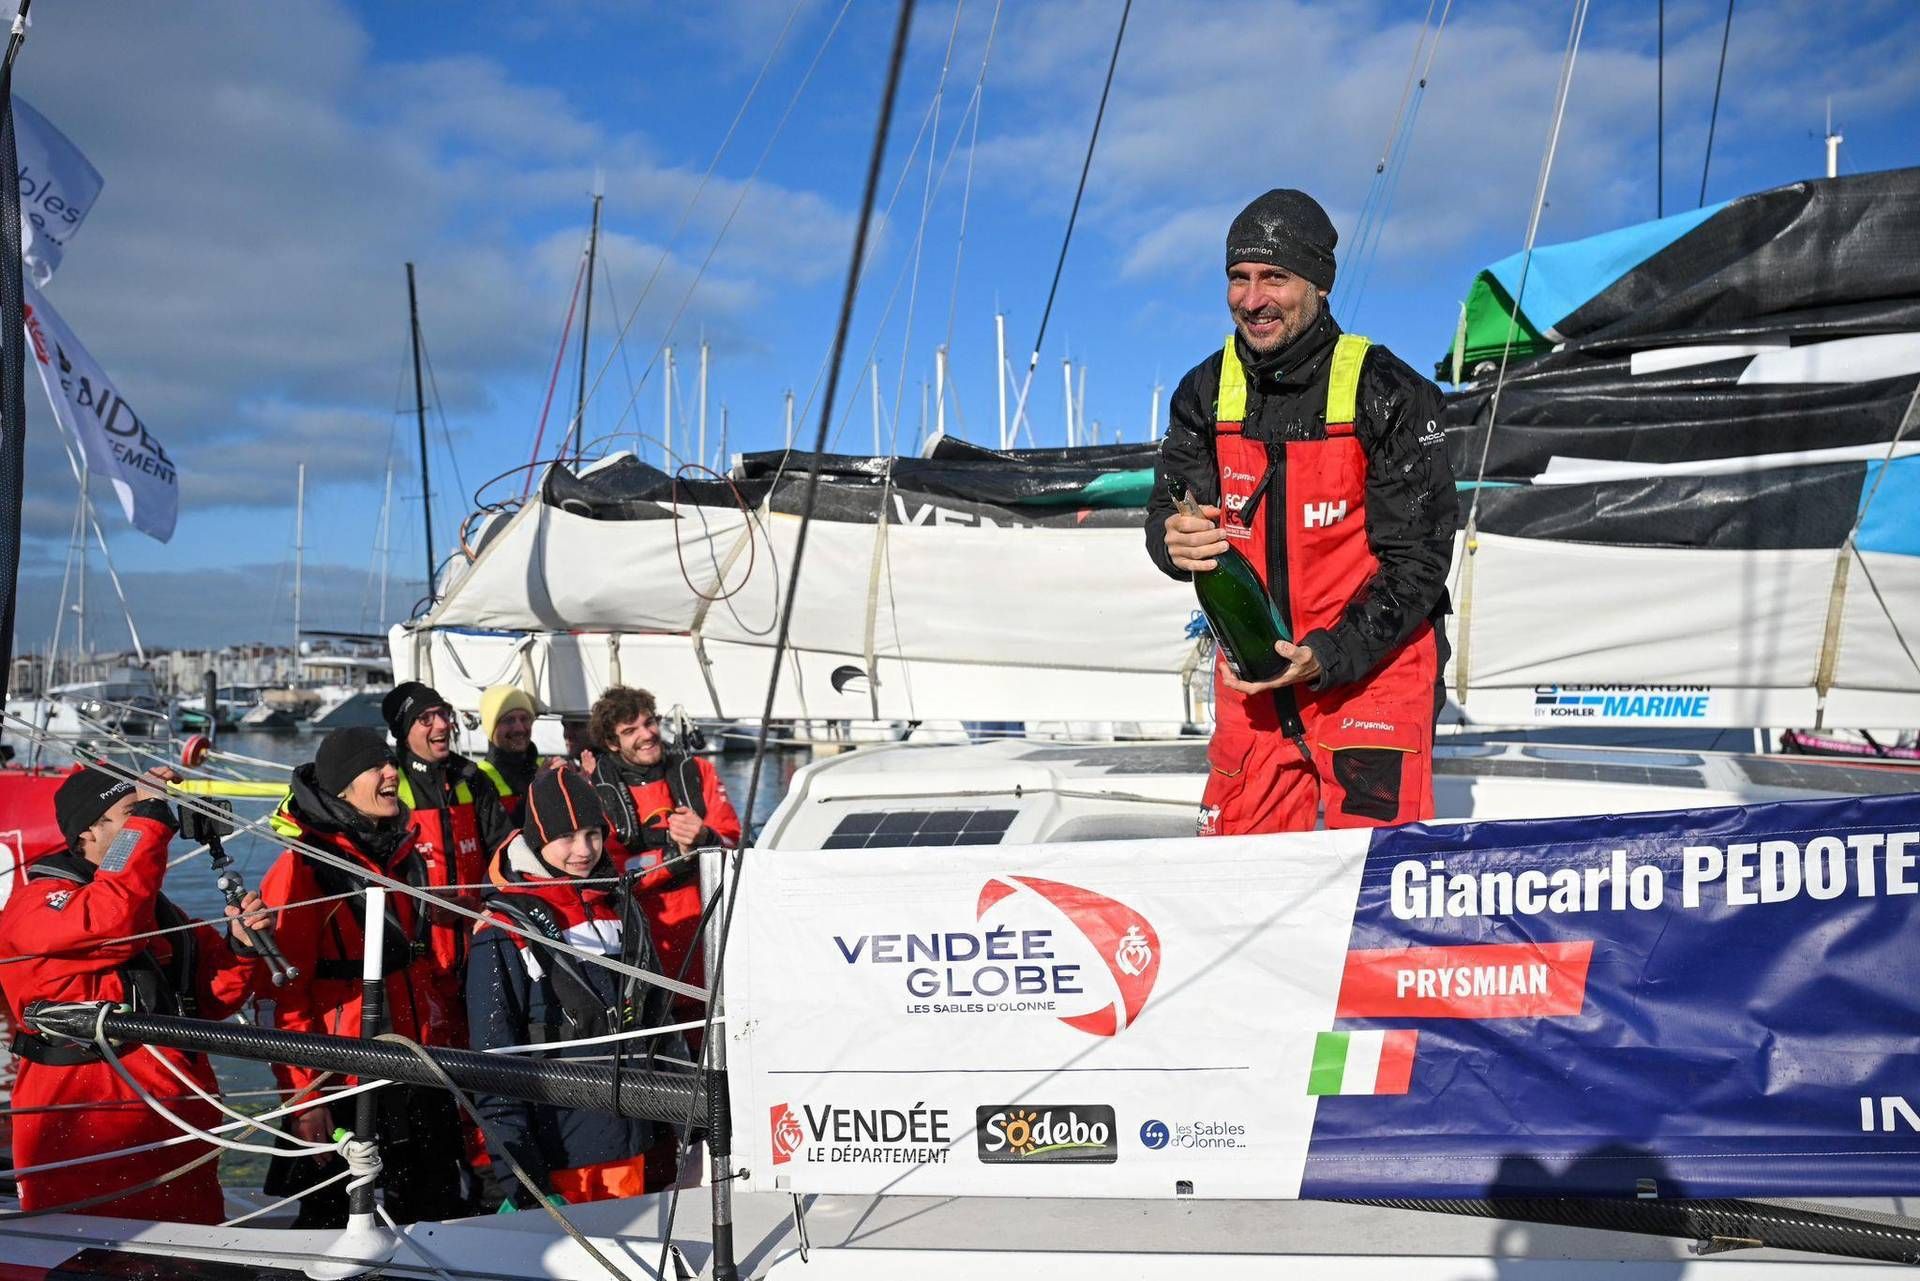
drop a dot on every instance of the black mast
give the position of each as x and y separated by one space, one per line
578 430
420 414
13 363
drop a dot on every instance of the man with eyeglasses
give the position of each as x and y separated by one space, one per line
458 817
678 804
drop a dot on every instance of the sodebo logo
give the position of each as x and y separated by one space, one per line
1047 948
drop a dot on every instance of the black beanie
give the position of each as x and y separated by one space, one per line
346 754
79 802
1286 228
404 703
560 801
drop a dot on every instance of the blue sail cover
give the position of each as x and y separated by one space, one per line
1563 277
1720 1001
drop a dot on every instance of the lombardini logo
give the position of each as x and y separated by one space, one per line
1080 1134
1040 947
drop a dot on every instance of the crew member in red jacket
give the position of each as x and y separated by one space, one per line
679 803
346 803
66 933
459 820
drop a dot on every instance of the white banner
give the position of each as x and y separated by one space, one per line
1103 1019
118 445
57 187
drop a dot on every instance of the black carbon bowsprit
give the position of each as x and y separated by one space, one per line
648 1095
1713 1224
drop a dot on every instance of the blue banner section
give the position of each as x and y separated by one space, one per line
1726 1002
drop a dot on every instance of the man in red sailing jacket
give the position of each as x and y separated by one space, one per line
346 804
67 933
458 818
1320 458
679 803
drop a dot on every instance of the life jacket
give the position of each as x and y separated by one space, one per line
449 847
1322 498
149 982
510 800
341 926
582 1010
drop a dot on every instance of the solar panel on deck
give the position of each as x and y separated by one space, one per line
869 829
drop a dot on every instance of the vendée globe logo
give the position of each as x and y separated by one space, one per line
1155 1135
1040 947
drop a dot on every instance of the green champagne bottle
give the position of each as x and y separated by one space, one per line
1242 616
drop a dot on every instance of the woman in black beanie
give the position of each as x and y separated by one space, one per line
345 802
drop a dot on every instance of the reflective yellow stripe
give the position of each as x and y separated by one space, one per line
1343 384
492 771
1232 404
462 794
243 787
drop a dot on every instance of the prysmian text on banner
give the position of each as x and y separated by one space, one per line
1721 1001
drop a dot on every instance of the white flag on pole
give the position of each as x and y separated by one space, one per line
118 445
57 188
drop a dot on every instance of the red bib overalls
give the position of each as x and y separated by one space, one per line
1363 751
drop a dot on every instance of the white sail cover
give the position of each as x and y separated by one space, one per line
952 619
917 622
1697 504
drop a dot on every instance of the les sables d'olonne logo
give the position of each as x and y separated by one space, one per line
1031 956
1078 1134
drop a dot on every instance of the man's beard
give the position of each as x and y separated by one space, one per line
1292 326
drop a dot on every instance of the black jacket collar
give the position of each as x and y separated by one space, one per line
1296 365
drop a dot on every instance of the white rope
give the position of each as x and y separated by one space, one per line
179 1139
190 925
609 1038
107 1052
309 1190
430 897
198 1091
363 1167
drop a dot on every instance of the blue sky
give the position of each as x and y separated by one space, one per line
269 168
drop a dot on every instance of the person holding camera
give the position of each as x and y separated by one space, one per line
72 932
346 805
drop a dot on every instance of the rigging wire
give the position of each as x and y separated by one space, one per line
432 898
1073 215
966 193
1726 33
1464 647
1363 223
920 232
895 63
746 188
559 358
440 412
1396 170
700 188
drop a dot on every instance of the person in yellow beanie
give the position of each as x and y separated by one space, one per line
506 718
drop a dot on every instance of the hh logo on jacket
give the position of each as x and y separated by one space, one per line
1315 515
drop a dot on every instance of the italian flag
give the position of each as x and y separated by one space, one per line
1362 1063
